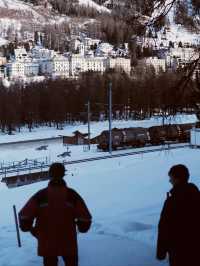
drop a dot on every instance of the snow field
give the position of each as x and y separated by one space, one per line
96 128
125 196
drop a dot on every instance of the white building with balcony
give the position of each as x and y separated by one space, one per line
157 63
185 54
95 64
119 63
61 66
77 64
22 69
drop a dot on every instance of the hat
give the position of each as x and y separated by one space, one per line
57 171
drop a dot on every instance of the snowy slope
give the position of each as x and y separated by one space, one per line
125 197
94 5
14 14
19 6
14 4
176 33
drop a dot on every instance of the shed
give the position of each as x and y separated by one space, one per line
77 139
195 137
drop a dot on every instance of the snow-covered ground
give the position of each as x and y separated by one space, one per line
15 14
176 33
94 5
96 128
14 4
58 152
125 196
19 6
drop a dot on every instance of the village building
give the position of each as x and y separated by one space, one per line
77 62
78 138
95 64
61 66
158 64
20 54
40 52
22 69
120 63
3 60
46 67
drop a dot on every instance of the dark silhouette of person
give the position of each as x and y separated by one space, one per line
179 225
52 215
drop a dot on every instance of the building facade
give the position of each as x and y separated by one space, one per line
61 66
120 63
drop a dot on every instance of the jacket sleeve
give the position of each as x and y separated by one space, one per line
27 215
83 216
164 231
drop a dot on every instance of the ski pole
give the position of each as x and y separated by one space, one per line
17 227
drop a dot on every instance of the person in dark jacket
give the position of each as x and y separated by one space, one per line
179 226
52 215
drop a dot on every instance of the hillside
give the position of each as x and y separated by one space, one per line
94 5
176 30
97 18
19 10
17 16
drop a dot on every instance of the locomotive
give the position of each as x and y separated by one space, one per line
138 137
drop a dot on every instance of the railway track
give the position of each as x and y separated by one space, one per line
127 154
43 167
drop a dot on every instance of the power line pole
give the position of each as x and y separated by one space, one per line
110 117
17 227
88 111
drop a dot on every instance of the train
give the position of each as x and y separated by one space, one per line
137 137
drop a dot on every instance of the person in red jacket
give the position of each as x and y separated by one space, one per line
53 216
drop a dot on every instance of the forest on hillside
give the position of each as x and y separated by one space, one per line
127 18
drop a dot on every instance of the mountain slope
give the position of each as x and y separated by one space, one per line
175 32
14 4
16 15
94 5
